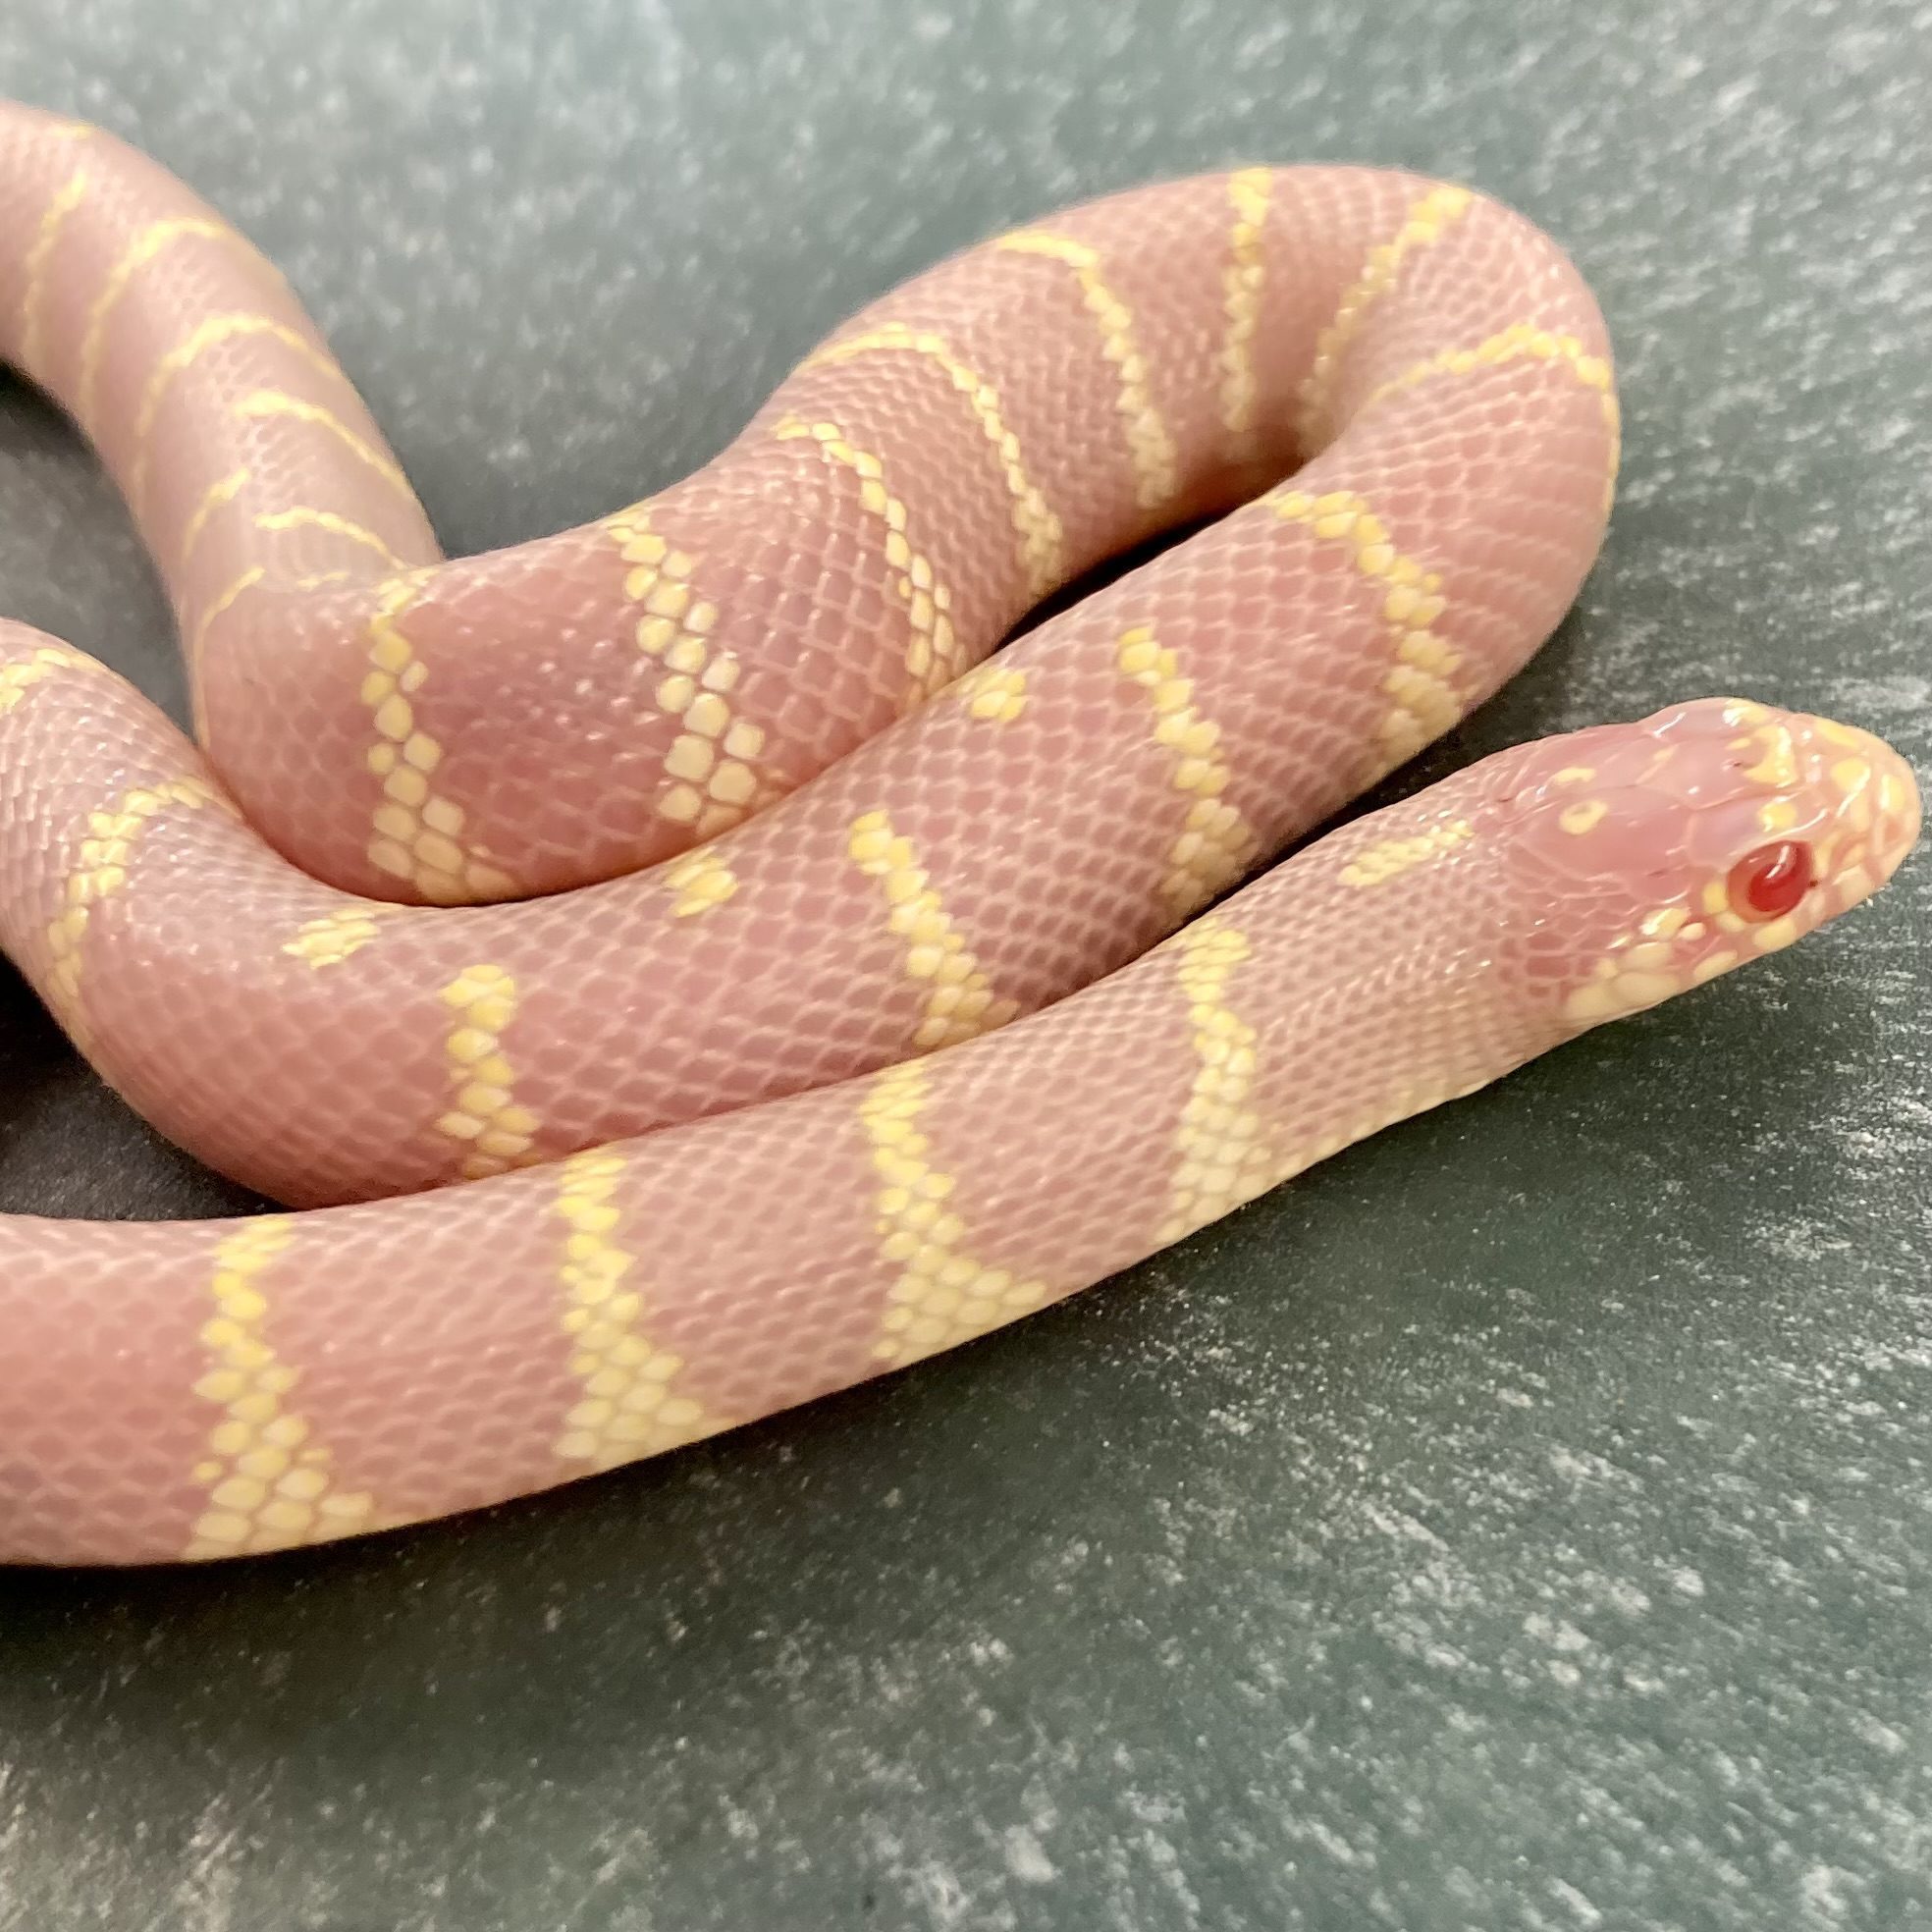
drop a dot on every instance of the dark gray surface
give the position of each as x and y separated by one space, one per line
1523 1521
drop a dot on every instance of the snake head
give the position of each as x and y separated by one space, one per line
1706 835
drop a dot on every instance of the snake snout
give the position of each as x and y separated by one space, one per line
1871 802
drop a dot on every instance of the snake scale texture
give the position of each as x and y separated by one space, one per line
796 982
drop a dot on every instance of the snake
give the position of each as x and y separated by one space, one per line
671 969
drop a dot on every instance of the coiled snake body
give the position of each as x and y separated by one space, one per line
800 986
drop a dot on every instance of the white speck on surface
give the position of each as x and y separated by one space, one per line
1822 1890
1579 1908
1026 1857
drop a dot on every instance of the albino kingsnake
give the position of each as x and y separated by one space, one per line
632 876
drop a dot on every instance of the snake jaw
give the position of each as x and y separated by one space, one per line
1708 835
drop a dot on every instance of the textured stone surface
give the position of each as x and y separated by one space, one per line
1523 1521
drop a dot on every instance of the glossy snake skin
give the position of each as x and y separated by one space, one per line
799 988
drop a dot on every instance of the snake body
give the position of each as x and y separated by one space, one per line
797 987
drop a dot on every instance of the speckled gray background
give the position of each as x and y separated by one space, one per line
1524 1521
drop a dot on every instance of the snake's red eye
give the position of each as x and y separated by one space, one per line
1768 882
